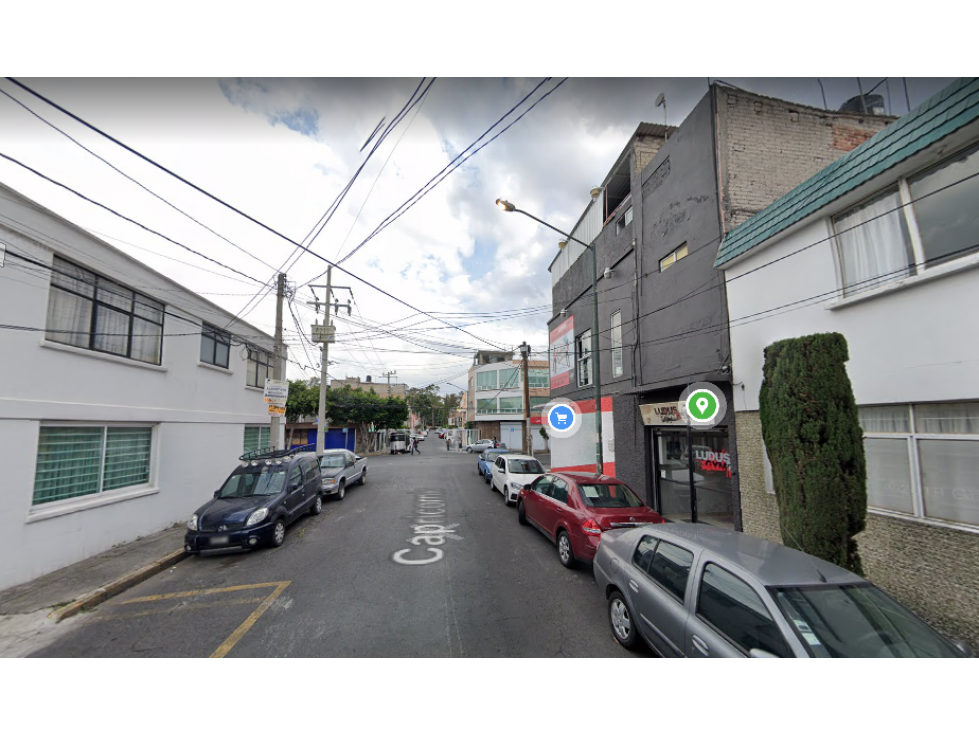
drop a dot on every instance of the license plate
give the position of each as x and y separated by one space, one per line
219 540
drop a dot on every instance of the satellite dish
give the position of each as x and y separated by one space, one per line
660 99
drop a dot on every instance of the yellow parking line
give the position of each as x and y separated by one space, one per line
188 607
226 646
184 594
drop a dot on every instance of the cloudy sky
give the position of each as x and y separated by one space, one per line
285 150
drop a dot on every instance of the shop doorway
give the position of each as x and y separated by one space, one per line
692 478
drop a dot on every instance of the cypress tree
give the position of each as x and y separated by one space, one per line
815 444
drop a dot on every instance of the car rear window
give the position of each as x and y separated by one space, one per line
608 496
525 466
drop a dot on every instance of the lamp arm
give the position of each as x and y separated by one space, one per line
551 226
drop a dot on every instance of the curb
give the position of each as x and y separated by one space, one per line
94 598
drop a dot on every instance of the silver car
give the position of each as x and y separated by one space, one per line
341 469
697 591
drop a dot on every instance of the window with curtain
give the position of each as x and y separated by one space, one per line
215 346
582 348
257 437
678 254
260 367
88 311
923 459
616 337
874 243
538 377
486 405
486 380
86 460
945 207
509 377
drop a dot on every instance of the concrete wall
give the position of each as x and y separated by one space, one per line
198 411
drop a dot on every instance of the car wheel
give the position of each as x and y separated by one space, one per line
521 513
506 496
620 619
279 533
317 507
341 492
564 551
488 479
469 449
363 478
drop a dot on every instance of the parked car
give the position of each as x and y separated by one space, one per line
256 503
341 469
574 509
485 462
509 474
398 442
698 591
481 445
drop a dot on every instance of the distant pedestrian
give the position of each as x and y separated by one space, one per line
448 444
418 448
412 439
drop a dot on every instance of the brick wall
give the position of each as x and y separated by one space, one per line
929 569
645 148
769 146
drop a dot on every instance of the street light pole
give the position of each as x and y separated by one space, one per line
507 206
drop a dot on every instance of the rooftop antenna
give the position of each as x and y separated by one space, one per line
661 102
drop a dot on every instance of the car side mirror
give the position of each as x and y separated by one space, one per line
217 492
757 652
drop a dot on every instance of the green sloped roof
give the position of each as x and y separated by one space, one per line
952 108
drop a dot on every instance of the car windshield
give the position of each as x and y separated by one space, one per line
609 495
858 621
254 481
525 466
332 461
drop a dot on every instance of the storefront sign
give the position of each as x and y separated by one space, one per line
661 414
562 353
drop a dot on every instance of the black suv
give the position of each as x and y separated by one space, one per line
268 491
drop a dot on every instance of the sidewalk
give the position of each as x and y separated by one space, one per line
31 614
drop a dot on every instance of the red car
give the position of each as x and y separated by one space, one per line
574 509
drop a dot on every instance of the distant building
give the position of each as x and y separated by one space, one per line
397 390
494 400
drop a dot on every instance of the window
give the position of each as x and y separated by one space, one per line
559 491
260 367
215 346
486 380
923 460
509 377
924 221
582 349
536 402
874 243
731 607
670 568
88 311
678 254
624 221
79 461
644 552
511 405
257 438
616 336
538 377
486 405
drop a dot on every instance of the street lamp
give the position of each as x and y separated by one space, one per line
528 442
595 193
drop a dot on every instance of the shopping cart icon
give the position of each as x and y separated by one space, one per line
561 418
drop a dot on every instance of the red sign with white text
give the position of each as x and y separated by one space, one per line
562 353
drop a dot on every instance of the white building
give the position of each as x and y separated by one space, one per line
882 247
495 397
123 403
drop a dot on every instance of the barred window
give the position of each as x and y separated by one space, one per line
215 346
257 437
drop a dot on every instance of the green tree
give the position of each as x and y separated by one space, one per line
815 445
360 409
303 400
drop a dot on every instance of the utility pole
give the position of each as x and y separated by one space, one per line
388 375
277 367
325 334
528 441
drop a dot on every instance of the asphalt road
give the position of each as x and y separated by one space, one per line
348 583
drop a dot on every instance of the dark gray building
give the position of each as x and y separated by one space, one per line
663 324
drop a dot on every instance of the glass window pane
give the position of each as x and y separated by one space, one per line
72 277
147 341
509 377
251 438
207 347
950 479
888 474
873 243
644 552
947 418
511 405
149 309
671 567
681 252
127 457
538 377
114 295
730 605
628 215
69 319
536 402
68 463
948 220
111 331
486 380
885 419
222 354
486 405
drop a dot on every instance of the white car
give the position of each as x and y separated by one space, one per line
513 472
